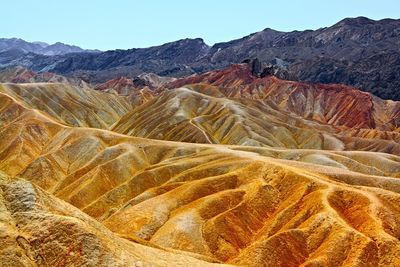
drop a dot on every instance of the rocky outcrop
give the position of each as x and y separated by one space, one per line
126 86
262 69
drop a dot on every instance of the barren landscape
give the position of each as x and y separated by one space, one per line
235 165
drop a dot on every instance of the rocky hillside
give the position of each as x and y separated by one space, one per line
360 52
169 59
356 51
233 106
72 195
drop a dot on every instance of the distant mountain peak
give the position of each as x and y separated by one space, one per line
41 48
359 51
187 41
356 21
270 30
42 44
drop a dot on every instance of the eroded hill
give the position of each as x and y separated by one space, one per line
68 104
235 107
191 204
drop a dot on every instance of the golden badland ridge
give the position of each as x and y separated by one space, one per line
247 171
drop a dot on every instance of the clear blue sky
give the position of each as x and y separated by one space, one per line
111 24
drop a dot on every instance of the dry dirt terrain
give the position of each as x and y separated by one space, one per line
213 169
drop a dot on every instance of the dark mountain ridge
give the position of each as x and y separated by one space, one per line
40 48
360 52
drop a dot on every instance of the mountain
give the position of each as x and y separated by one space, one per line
163 60
59 49
73 195
333 104
359 52
39 47
15 43
233 106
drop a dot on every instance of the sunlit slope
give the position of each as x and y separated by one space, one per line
38 229
333 104
70 104
238 204
186 115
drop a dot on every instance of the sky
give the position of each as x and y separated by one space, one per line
123 24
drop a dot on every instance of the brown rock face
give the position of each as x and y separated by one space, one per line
265 173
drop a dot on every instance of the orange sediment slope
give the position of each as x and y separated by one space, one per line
191 114
193 204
